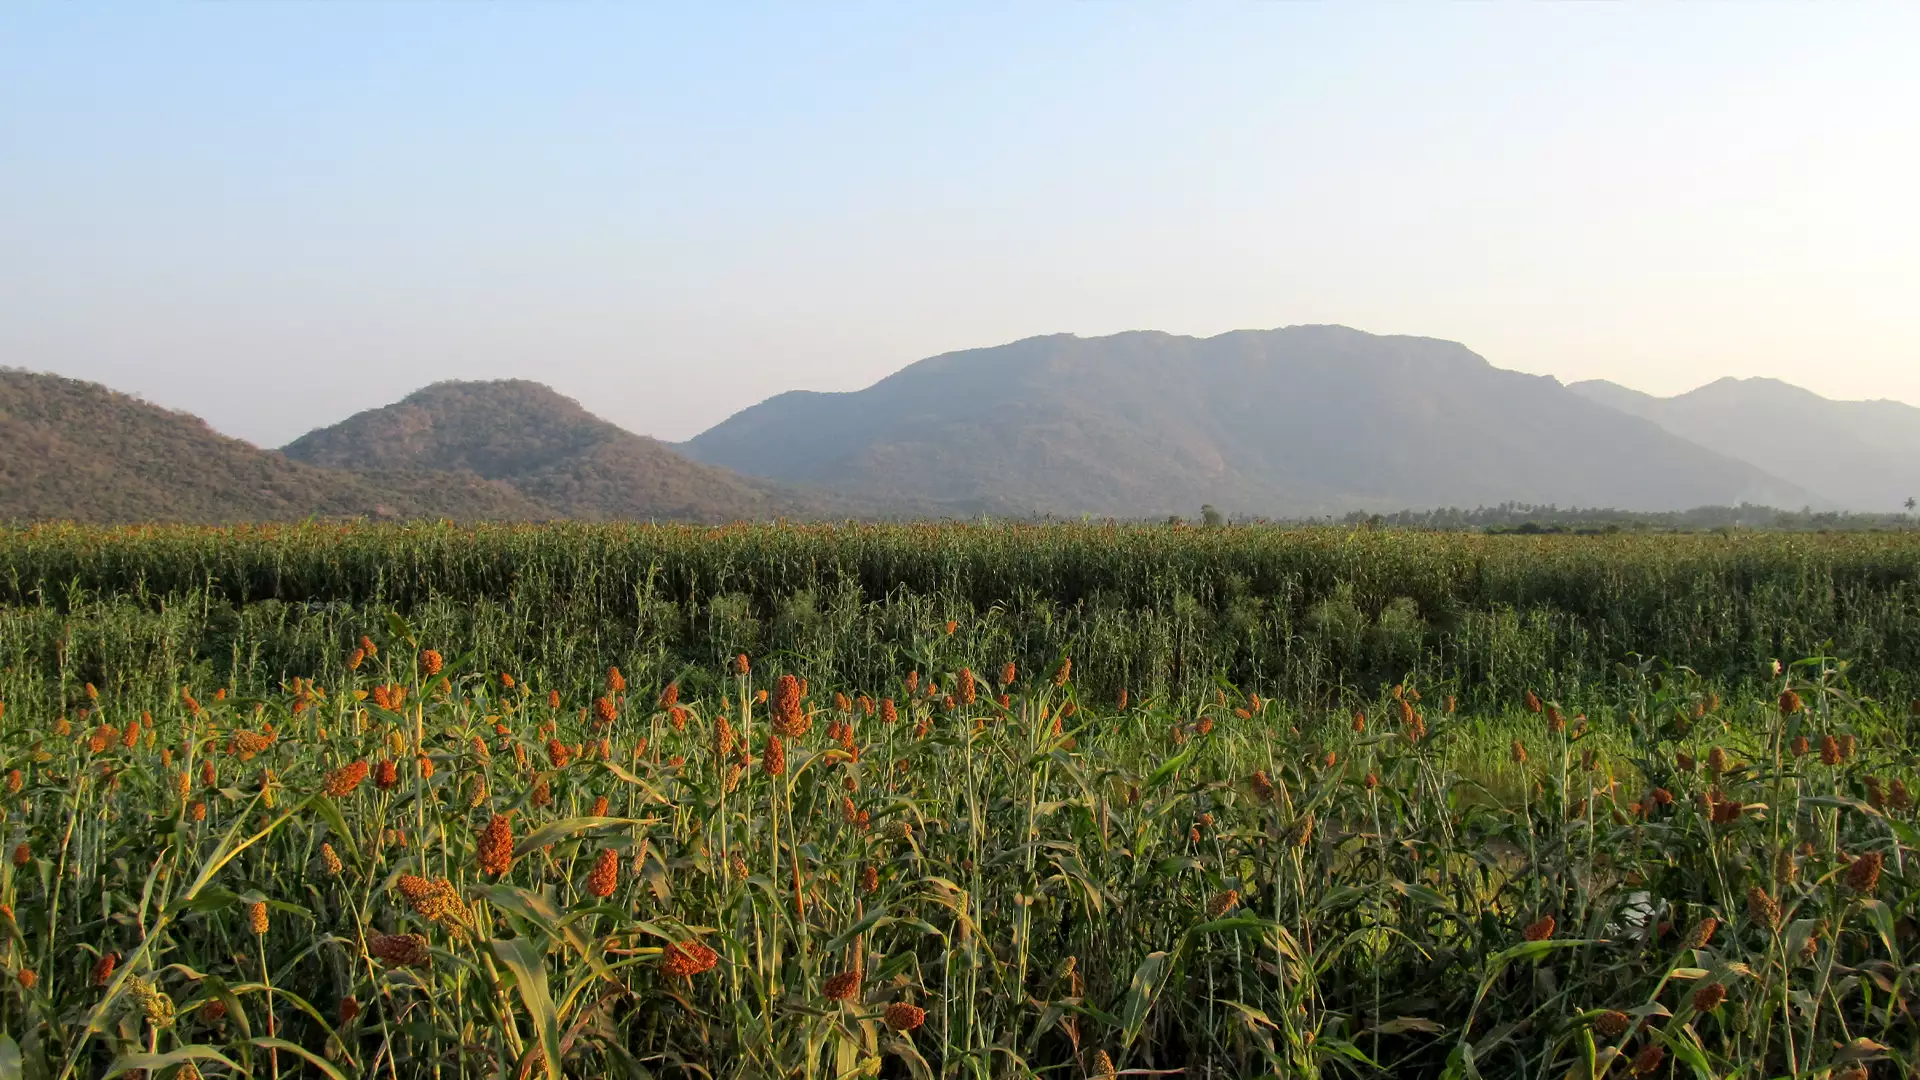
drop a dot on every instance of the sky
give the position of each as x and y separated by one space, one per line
274 214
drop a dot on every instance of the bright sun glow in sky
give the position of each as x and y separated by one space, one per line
276 214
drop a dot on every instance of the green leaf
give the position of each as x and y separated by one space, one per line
155 1062
1141 991
309 1056
528 964
1168 768
548 834
1408 1023
11 1067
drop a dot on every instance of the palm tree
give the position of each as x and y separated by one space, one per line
1910 504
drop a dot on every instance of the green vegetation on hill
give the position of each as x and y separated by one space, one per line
548 448
77 451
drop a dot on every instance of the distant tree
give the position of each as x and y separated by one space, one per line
1211 517
1910 504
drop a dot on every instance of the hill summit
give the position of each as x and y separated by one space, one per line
77 451
1862 455
1300 420
545 446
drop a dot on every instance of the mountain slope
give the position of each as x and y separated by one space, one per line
547 447
77 451
1862 455
1306 419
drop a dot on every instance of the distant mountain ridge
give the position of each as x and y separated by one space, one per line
78 451
1294 422
545 446
1862 455
1304 419
548 448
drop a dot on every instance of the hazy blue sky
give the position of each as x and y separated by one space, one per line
277 213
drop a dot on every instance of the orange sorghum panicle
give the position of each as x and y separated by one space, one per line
430 662
902 1017
687 959
103 968
257 917
606 874
1702 933
399 950
1541 930
1863 875
495 848
386 775
842 987
343 781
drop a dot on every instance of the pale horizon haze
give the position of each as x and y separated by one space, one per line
275 214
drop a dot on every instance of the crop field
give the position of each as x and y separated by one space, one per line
957 801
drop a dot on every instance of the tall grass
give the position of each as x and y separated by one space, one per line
1043 883
1308 615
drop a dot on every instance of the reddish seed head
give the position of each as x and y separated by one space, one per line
495 848
1863 875
606 874
430 662
1541 930
1702 933
386 775
842 987
687 959
902 1017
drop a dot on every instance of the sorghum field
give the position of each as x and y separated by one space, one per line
956 801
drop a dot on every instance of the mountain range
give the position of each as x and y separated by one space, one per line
1860 455
1299 421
